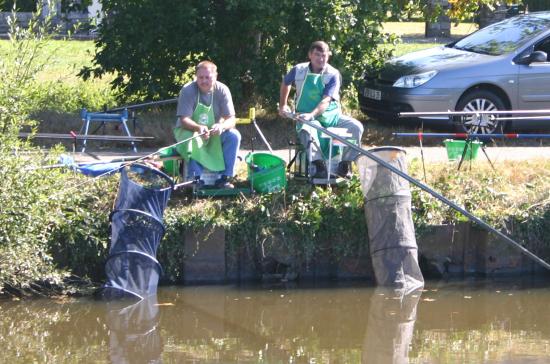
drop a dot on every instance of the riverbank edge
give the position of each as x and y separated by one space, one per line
445 251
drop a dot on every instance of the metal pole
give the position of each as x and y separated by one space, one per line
473 136
424 187
480 112
252 116
145 104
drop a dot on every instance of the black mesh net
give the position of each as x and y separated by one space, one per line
145 189
136 231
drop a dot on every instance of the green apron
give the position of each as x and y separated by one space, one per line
208 152
310 96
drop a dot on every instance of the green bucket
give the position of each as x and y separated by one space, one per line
455 148
171 167
267 172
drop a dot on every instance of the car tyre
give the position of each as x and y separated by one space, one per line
480 100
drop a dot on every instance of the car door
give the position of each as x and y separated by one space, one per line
534 82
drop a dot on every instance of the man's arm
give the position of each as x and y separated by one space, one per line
283 99
226 120
318 110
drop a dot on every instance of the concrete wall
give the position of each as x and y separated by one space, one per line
445 251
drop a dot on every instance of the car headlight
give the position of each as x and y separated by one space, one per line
411 81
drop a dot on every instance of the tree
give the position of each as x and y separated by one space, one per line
461 10
252 41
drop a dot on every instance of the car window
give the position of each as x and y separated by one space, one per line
544 46
505 36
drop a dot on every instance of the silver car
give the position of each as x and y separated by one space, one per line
501 67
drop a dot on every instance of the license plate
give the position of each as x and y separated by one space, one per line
372 94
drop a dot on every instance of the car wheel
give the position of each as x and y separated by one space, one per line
480 101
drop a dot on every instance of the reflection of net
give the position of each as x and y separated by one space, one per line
133 333
136 231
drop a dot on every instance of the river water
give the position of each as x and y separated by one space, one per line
472 321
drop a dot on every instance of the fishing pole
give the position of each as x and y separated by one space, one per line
424 187
145 104
472 136
129 163
478 112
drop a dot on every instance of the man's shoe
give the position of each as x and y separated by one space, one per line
320 169
223 183
343 170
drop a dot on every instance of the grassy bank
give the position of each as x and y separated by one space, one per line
74 235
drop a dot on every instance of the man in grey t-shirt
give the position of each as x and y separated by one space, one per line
205 107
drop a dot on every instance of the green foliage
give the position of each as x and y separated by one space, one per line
43 228
44 225
20 5
252 42
71 97
18 68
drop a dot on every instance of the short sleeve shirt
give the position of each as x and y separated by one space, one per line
332 88
223 102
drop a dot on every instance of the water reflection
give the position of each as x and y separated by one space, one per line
134 336
390 326
462 322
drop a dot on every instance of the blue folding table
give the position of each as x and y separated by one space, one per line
104 117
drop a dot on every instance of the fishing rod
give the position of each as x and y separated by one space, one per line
424 187
129 163
472 136
468 113
145 104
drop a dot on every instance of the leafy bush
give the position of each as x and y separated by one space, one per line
71 97
42 213
252 42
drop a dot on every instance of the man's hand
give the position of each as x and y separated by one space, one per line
307 116
204 129
217 129
285 110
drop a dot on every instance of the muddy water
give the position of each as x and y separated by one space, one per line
448 322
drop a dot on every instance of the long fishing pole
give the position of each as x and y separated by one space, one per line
93 179
145 104
478 112
472 136
424 187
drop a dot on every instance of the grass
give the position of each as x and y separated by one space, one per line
63 59
416 29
